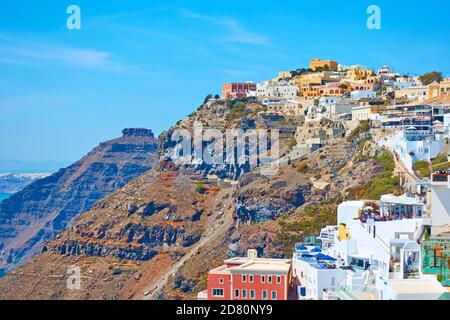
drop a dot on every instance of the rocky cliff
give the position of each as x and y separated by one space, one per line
164 230
47 206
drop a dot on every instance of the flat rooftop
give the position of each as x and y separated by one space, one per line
402 200
418 286
263 265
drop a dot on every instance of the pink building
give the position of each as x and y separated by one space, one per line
237 89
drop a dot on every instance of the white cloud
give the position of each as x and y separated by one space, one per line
236 32
18 51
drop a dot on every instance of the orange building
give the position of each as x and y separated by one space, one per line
330 65
316 78
436 89
333 89
370 83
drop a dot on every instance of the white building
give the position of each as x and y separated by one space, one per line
447 123
318 277
439 197
379 250
414 144
404 83
341 107
281 89
414 93
328 101
361 113
385 72
360 94
404 206
313 114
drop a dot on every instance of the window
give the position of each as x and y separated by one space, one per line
217 292
250 279
263 279
252 294
269 279
274 295
244 278
220 280
236 293
244 294
278 279
264 294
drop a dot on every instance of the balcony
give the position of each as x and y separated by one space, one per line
358 293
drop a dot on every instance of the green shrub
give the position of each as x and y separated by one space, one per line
364 126
309 219
303 168
236 110
422 168
199 188
384 183
442 158
387 160
430 77
292 143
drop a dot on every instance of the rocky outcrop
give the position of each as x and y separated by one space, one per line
47 206
137 132
78 248
153 236
252 207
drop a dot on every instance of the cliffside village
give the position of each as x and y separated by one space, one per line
395 248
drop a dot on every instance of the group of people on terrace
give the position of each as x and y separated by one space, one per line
376 215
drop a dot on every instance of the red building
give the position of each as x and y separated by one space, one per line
249 278
235 90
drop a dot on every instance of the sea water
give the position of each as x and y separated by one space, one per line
4 196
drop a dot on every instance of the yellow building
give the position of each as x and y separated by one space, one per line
288 108
413 93
343 233
435 89
317 78
362 113
284 75
324 64
421 93
357 74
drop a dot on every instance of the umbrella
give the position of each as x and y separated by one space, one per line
302 247
321 256
315 249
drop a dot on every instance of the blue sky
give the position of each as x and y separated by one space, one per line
150 63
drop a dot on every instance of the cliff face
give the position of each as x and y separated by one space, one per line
159 227
126 241
164 230
47 206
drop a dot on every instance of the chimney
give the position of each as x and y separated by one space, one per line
252 254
